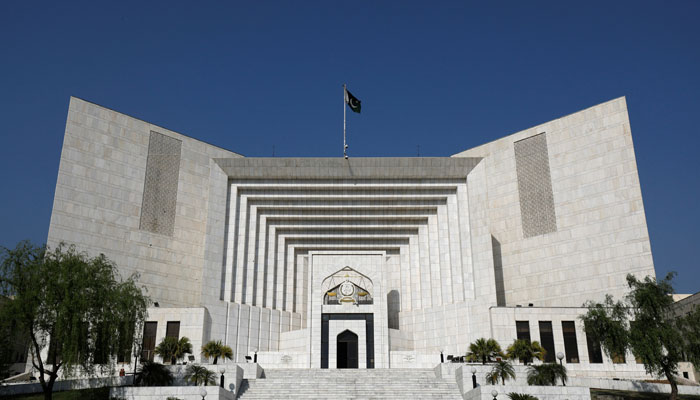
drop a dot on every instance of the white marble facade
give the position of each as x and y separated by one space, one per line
551 216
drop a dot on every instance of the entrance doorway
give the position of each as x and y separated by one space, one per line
347 350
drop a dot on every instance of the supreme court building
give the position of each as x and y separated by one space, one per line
362 262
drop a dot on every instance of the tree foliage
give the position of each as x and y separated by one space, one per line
217 349
645 324
200 375
502 370
153 374
521 396
74 304
171 349
484 350
525 351
547 374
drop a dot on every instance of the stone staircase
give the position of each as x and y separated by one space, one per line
342 384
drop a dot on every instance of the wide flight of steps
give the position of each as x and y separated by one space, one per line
342 384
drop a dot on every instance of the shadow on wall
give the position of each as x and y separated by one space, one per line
498 272
393 302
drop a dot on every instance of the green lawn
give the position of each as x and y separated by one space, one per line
85 394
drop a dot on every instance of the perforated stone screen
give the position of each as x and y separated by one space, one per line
160 187
535 186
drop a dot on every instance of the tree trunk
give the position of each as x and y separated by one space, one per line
674 385
48 389
215 358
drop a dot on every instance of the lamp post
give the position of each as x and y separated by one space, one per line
255 355
560 356
222 370
203 393
494 393
474 377
442 357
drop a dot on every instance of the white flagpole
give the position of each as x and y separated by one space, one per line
345 146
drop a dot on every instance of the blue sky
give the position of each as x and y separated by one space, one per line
443 76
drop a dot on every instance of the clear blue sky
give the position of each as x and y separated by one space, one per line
445 76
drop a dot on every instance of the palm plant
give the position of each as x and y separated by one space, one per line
525 351
484 350
153 374
546 374
502 371
521 396
171 349
216 349
200 375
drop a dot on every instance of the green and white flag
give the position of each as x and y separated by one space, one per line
352 101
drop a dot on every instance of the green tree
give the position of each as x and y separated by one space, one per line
484 350
217 349
502 370
645 324
521 396
171 349
200 375
153 374
547 374
525 351
76 305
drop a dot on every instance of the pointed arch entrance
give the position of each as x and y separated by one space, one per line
347 350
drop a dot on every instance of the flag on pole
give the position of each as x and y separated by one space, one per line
352 101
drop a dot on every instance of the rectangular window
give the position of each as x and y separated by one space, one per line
149 341
570 344
595 356
126 341
523 330
633 326
618 358
101 356
173 329
547 340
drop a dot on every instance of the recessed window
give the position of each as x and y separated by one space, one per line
595 356
522 329
149 341
547 340
173 329
570 344
618 358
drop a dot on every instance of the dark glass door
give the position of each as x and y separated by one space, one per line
347 350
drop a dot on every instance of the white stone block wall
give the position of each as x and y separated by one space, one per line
503 330
601 233
192 323
181 392
98 199
541 392
284 359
